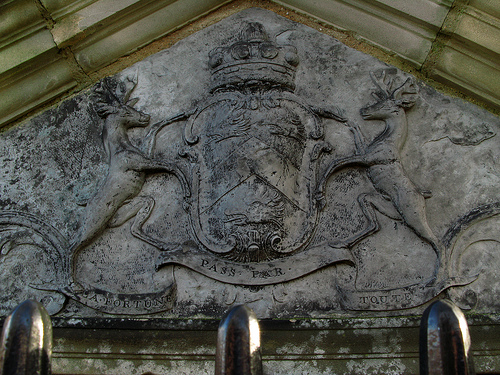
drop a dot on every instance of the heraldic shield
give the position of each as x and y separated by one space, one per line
254 149
252 189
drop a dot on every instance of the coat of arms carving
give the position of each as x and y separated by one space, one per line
254 151
255 185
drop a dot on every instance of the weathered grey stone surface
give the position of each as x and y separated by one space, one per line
262 163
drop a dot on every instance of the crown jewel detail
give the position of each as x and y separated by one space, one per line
253 58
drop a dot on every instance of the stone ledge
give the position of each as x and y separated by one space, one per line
379 23
469 72
316 346
101 15
20 18
28 73
59 9
481 29
492 320
97 38
469 55
107 45
35 88
28 50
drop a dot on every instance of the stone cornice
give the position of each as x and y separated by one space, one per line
50 48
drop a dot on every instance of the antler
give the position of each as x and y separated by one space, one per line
108 99
406 94
125 88
105 101
384 88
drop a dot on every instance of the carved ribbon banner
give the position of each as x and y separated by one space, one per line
125 303
395 299
255 273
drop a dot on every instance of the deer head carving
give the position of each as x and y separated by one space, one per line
390 100
119 106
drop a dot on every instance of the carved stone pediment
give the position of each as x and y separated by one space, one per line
257 161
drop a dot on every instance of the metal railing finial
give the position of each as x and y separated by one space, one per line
26 344
445 345
238 343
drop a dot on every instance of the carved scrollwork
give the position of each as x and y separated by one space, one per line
24 238
259 188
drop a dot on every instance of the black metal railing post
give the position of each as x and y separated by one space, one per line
238 344
445 345
26 344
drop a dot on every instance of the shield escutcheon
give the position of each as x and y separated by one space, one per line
254 149
255 174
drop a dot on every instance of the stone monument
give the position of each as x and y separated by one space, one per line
257 161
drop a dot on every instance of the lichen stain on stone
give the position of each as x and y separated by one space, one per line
376 366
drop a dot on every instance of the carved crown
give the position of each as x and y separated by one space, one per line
254 58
